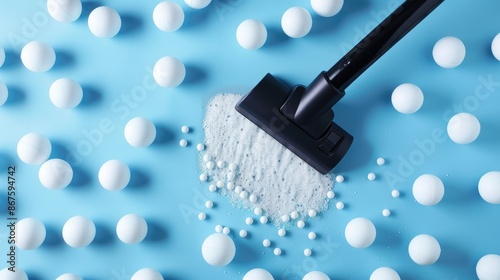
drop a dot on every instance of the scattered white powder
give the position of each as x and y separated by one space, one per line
282 182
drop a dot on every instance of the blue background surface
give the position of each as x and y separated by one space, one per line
165 188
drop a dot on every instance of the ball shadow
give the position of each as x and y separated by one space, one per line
87 8
91 96
194 75
64 60
139 179
104 236
130 24
163 135
17 96
156 232
53 238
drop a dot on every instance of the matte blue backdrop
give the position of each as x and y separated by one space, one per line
116 76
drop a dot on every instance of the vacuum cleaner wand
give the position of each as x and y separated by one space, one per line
301 117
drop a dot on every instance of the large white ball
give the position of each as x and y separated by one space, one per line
168 16
65 93
69 276
407 98
449 52
131 229
169 71
428 190
327 8
2 56
6 274
64 10
197 4
489 187
140 132
495 47
104 22
79 231
4 93
147 274
258 274
316 275
30 234
55 174
251 34
488 267
296 22
114 175
424 249
38 56
34 148
360 233
463 128
384 273
218 249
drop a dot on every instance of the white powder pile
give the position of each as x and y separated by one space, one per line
254 170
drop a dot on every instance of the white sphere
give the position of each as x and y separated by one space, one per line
6 274
428 190
4 93
424 249
69 276
104 22
114 175
258 274
449 52
38 56
463 128
489 187
30 234
55 174
65 93
2 56
360 233
407 98
34 148
140 132
316 275
169 71
168 16
147 274
488 267
218 249
64 10
327 8
384 273
78 231
296 22
197 4
251 34
495 48
131 229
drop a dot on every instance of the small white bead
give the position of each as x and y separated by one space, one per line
395 193
226 230
339 179
330 194
220 164
185 129
220 184
200 147
371 176
312 213
380 161
277 251
183 143
312 235
231 176
207 158
230 185
203 177
202 216
232 167
301 224
386 212
248 221
266 243
252 198
294 215
210 165
257 211
218 228
340 205
209 204
263 220
281 232
238 189
243 233
244 195
285 218
307 252
212 188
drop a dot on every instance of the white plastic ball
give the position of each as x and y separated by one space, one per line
104 22
4 92
488 267
281 232
316 275
38 56
65 93
489 187
384 273
386 212
327 8
243 233
2 56
147 274
114 175
395 193
258 274
301 224
371 176
495 47
252 198
203 177
218 249
200 147
449 52
266 243
209 204
307 252
257 211
55 174
168 16
6 274
312 213
428 190
212 188
339 178
131 229
407 99
34 148
311 235
277 251
140 132
183 143
251 34
202 216
294 215
185 129
296 22
463 128
263 220
197 4
360 233
339 205
69 276
330 194
169 72
30 234
424 249
64 10
218 228
79 231
285 218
